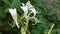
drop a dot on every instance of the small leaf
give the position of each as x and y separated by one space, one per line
16 4
6 10
0 33
6 2
2 14
7 28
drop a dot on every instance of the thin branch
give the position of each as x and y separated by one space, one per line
28 32
51 29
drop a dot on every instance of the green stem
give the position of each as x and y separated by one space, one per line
51 29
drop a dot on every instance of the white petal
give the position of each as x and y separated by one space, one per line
13 13
25 9
23 4
31 8
34 11
17 24
36 21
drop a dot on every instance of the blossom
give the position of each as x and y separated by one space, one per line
25 9
30 7
35 19
33 10
13 13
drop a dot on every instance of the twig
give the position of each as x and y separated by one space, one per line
28 32
51 29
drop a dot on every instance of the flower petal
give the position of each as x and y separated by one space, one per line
31 8
13 13
36 20
25 9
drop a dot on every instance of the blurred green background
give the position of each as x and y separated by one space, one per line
49 14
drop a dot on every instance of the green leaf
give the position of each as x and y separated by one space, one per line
0 33
6 10
58 30
54 31
2 14
6 2
46 31
16 4
35 31
7 28
1 24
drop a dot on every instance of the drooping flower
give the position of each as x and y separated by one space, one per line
36 20
25 9
30 6
13 13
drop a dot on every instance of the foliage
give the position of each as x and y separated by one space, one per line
48 14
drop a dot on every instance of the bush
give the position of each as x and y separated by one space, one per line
47 13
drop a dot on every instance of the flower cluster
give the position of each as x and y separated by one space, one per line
25 7
30 7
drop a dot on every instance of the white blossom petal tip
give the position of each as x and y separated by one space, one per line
28 3
23 4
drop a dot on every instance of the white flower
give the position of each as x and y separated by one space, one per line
36 20
13 13
12 24
25 9
31 8
33 11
